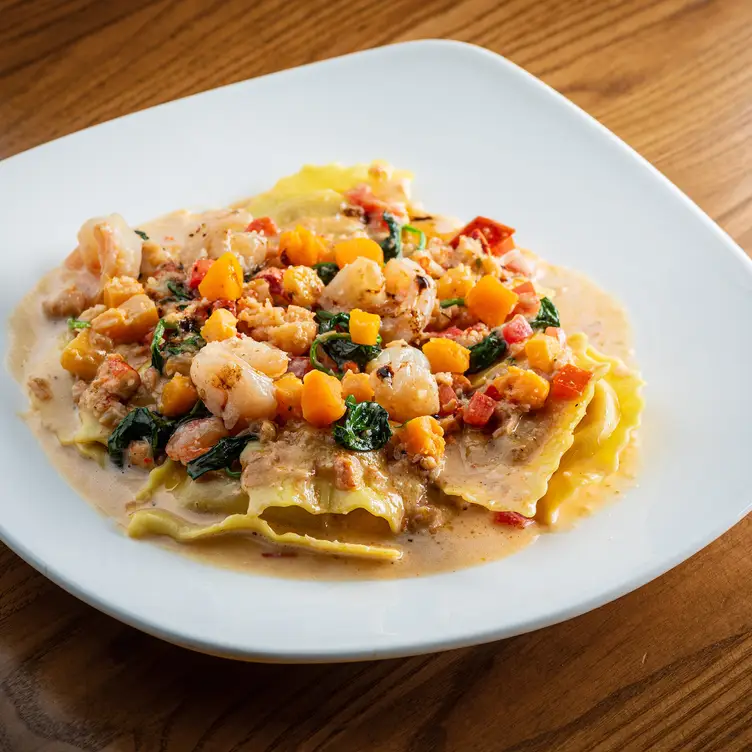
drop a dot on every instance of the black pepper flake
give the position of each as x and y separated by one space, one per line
385 372
422 282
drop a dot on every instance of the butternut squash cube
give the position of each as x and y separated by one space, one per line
321 399
346 251
131 321
446 355
224 280
541 351
220 325
364 327
490 301
522 387
83 355
118 289
289 393
178 396
357 385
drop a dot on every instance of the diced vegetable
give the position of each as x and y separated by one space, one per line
357 385
118 289
198 272
301 247
179 396
321 399
81 357
289 393
224 280
364 428
346 251
512 519
499 236
447 400
364 327
486 352
490 301
129 322
541 351
455 283
570 382
220 325
303 285
522 387
479 410
516 330
547 315
423 437
446 355
265 225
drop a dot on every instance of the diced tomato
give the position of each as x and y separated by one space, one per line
230 305
512 519
493 392
265 225
479 410
451 333
516 330
273 277
524 288
448 401
499 236
570 382
198 272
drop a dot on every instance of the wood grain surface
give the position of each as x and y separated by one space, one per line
668 667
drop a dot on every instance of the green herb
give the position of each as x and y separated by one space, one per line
74 324
326 270
341 349
328 321
140 423
158 340
364 427
392 244
142 234
220 456
178 291
232 473
547 315
421 235
191 343
486 352
451 302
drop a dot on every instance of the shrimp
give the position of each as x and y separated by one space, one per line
229 378
223 230
402 382
360 284
411 297
108 248
194 438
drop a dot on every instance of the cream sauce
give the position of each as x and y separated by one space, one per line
468 539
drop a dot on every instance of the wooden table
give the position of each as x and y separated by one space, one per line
665 668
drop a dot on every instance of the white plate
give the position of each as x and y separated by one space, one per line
483 137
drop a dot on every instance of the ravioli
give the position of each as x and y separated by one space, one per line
512 471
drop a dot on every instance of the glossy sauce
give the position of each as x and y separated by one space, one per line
469 539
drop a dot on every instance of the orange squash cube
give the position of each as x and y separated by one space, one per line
301 247
321 399
364 327
131 321
446 355
83 355
346 251
522 387
289 393
357 385
541 351
490 301
220 325
224 280
178 396
118 289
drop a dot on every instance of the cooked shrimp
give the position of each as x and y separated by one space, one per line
403 383
213 233
359 285
263 357
230 386
109 248
194 438
411 296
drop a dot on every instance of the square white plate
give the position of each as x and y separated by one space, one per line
577 195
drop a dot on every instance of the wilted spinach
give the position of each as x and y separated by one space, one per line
486 352
334 339
179 292
326 270
421 235
74 324
141 234
364 427
547 315
221 456
392 243
140 423
158 341
452 301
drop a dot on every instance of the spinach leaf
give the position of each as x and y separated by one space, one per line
74 324
220 456
158 340
486 352
328 322
452 301
178 291
547 315
340 348
421 235
364 427
140 423
392 244
192 343
142 234
326 270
